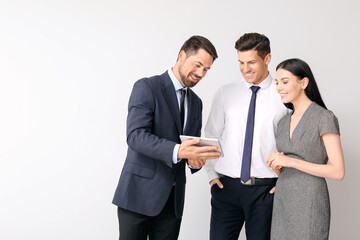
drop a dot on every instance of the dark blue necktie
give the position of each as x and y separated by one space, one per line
246 161
182 108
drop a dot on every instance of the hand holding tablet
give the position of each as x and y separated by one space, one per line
204 142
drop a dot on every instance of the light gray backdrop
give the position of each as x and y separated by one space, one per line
67 69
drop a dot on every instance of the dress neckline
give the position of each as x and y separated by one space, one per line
302 119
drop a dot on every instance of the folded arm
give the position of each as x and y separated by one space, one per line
335 169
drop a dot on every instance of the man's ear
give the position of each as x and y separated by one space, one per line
267 58
181 56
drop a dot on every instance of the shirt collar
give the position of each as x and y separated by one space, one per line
264 84
175 81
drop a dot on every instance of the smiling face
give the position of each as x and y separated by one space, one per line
192 68
290 87
253 68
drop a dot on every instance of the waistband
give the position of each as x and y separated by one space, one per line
254 181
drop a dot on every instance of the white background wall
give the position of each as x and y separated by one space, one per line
66 72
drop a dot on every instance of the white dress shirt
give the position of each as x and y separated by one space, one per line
227 122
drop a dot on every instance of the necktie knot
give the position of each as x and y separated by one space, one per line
254 89
183 92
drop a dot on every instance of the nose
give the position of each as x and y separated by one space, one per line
246 68
278 87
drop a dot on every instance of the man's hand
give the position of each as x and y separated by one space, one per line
216 181
196 163
197 155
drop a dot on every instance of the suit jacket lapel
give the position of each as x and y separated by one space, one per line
191 106
171 99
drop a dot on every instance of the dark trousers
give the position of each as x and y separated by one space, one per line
134 226
235 204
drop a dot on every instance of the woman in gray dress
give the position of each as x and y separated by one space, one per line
309 150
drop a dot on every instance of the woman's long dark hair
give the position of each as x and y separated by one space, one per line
301 69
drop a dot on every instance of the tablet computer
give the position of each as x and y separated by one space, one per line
205 142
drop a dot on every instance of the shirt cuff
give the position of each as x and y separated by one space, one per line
175 160
212 174
191 167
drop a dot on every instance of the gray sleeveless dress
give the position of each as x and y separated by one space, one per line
301 203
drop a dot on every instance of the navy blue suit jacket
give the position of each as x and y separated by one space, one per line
153 129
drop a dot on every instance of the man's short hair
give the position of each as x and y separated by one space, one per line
256 41
194 43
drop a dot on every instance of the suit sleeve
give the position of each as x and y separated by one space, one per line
140 121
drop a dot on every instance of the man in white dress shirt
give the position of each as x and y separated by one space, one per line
235 201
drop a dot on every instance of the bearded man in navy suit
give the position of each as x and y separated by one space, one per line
150 193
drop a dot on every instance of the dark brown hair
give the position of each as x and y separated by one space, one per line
256 41
194 43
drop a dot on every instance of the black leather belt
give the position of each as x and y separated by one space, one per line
254 181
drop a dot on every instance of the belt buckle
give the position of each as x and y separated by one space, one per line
249 182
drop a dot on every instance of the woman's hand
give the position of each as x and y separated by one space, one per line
277 161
